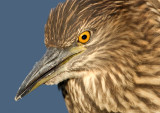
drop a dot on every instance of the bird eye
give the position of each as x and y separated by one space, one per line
84 37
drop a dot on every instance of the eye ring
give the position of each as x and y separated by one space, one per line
84 37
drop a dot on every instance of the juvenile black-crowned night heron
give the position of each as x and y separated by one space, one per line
103 54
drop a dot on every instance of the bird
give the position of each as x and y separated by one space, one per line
104 55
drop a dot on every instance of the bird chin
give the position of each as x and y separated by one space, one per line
64 75
59 78
54 81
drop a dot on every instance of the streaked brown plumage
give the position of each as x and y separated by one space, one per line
119 72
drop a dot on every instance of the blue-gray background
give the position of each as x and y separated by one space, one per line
21 45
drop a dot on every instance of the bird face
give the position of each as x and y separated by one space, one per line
70 37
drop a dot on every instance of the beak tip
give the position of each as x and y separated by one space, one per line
17 98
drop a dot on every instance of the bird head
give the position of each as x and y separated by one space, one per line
87 36
73 37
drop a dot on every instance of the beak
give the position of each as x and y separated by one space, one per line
47 68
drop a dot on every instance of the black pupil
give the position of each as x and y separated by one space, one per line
84 37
